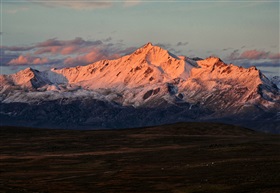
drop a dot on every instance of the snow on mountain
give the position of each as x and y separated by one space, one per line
27 79
147 65
150 68
229 88
131 76
151 77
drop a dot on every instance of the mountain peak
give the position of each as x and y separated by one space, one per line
151 79
214 59
27 72
146 49
149 44
211 61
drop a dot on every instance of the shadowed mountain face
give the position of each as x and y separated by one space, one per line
183 158
149 87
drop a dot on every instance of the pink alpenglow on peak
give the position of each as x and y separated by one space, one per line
147 65
150 78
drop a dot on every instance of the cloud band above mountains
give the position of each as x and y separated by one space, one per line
62 52
78 51
253 55
78 4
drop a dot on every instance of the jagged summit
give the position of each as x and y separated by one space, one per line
149 44
152 78
153 52
148 65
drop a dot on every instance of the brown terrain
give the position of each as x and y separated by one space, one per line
178 158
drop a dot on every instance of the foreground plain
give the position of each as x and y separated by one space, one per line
178 158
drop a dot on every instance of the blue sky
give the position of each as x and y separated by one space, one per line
45 34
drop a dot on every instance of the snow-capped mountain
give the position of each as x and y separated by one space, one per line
150 86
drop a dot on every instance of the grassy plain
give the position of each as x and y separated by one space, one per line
178 158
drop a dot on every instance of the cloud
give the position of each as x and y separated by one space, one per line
127 51
234 55
168 47
226 49
79 46
275 56
28 60
261 59
77 4
54 46
76 41
14 11
6 57
84 4
50 42
182 43
17 48
89 58
164 45
109 51
66 47
268 73
50 49
271 64
107 39
253 55
129 3
71 52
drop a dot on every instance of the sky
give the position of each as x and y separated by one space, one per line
44 34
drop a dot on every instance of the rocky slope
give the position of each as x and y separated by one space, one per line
276 80
150 86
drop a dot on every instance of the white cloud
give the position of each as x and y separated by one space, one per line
16 10
77 4
84 4
129 3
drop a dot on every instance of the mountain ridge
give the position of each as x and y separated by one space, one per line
150 78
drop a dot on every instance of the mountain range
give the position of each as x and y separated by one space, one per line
151 86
